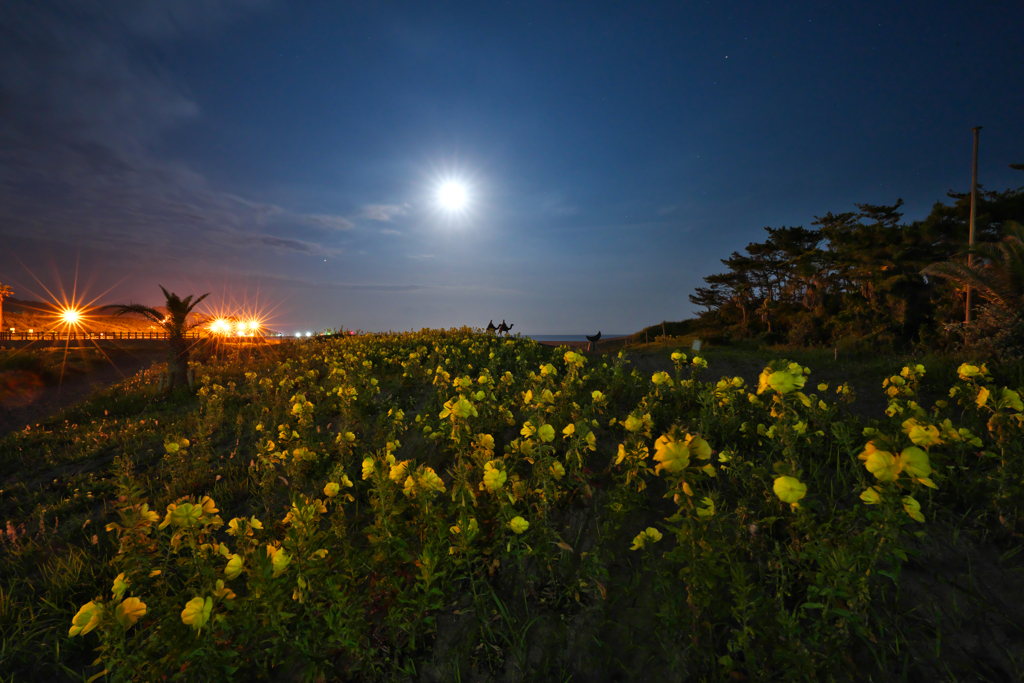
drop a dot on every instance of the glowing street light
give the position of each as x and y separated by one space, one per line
71 316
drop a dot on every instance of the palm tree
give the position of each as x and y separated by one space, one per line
5 292
176 324
997 273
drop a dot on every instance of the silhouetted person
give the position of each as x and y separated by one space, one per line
491 329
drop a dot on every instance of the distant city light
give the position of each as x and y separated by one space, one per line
309 334
71 316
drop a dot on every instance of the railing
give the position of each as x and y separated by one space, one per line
75 336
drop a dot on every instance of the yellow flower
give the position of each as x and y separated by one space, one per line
430 481
633 423
120 585
557 470
922 434
494 478
464 409
546 433
982 398
183 515
569 430
548 369
129 611
823 387
485 442
331 489
346 482
913 508
148 516
87 619
650 534
784 382
789 489
367 468
592 441
671 455
197 612
518 525
234 567
708 510
679 357
255 523
883 465
528 429
915 462
966 371
399 471
871 496
597 396
222 592
660 378
280 561
1011 399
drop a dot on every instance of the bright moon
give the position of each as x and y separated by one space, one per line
452 196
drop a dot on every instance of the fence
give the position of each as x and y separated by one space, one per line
75 336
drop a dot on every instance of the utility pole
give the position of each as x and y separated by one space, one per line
970 237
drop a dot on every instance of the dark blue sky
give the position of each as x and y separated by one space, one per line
613 152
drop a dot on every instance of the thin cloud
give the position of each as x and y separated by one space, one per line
330 222
421 256
388 231
384 212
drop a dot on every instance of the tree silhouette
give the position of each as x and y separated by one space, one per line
997 273
176 325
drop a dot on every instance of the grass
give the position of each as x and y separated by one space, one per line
832 589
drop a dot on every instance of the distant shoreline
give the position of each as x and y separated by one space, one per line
569 337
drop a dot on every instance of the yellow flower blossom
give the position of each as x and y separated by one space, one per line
597 397
915 462
120 586
367 468
234 566
430 481
883 465
789 489
592 441
86 620
280 561
494 478
331 489
922 434
648 535
464 409
672 455
982 398
399 471
660 378
223 592
546 433
1011 399
129 612
871 496
569 430
967 371
518 525
913 508
633 423
557 470
197 612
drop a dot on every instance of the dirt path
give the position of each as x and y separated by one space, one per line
34 402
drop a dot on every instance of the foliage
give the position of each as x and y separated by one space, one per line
858 276
372 507
176 323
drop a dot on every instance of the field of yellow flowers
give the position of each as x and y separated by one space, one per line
449 505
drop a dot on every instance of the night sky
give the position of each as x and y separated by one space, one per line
291 153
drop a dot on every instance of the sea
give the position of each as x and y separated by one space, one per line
568 337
